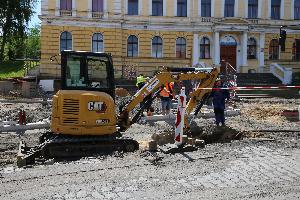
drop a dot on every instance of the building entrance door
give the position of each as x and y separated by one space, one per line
227 54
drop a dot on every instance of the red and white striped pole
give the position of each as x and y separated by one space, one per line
179 122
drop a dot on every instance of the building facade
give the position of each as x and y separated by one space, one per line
150 34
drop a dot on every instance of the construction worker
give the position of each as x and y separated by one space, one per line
166 96
140 81
219 95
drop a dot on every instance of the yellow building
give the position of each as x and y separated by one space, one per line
174 33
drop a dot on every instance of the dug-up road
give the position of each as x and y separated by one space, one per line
251 168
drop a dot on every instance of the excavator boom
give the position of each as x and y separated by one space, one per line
207 80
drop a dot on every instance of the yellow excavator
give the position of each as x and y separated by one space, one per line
84 119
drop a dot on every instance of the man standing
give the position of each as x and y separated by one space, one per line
219 95
166 96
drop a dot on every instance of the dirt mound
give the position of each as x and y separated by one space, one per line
121 92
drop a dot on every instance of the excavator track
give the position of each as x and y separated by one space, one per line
72 147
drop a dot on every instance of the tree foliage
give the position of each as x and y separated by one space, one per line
14 18
33 43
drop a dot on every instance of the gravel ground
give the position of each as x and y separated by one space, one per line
260 166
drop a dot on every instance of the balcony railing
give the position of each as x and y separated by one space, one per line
206 19
98 15
65 12
253 21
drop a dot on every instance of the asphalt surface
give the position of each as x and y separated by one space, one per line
241 170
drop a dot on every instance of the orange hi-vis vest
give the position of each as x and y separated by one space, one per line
167 91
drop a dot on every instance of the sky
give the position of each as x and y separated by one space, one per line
35 19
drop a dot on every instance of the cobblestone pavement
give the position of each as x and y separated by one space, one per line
240 170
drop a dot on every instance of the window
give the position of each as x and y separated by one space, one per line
274 50
66 5
157 7
297 9
181 48
157 47
206 8
97 6
181 8
229 8
97 43
91 73
65 41
204 48
275 9
133 7
132 46
251 50
252 9
296 50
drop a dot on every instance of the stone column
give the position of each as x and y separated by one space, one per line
261 52
246 8
74 8
90 8
217 48
244 49
57 8
196 49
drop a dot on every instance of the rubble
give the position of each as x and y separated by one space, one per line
223 165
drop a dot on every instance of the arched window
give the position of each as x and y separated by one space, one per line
157 47
274 50
97 43
132 46
204 48
297 9
65 41
180 47
251 50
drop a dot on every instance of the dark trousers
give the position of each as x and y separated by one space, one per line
219 115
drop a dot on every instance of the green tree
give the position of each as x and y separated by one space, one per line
33 43
14 18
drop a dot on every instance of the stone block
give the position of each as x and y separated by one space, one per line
199 143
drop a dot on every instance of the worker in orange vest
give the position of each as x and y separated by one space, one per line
166 96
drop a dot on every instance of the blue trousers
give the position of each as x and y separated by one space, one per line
219 115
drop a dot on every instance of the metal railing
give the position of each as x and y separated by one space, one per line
98 15
65 13
29 64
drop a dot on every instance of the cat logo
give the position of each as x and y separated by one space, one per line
96 106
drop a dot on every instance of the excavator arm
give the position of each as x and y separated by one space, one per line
162 78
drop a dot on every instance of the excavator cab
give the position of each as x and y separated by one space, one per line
85 103
87 71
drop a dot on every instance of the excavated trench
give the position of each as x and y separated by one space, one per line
210 134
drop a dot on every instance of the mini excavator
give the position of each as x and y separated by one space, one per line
84 120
